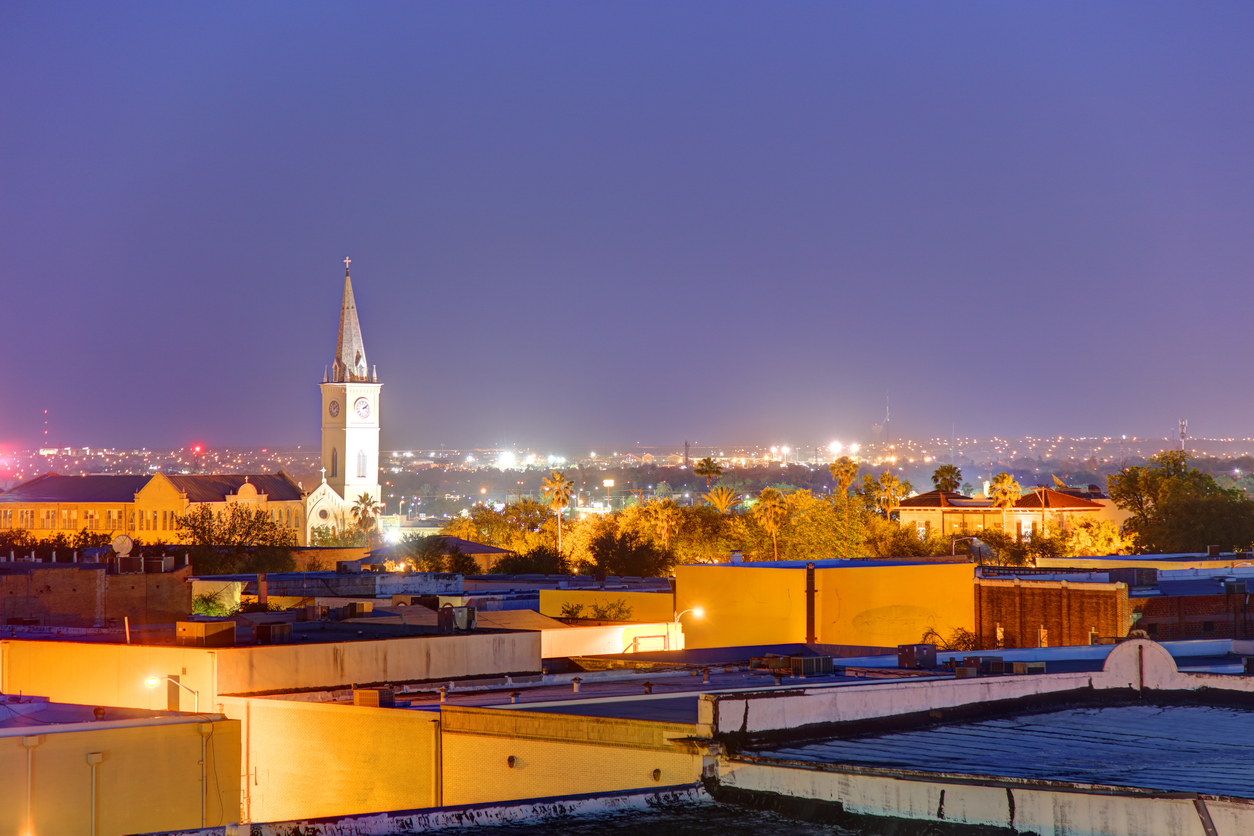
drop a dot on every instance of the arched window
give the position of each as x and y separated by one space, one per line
361 464
335 462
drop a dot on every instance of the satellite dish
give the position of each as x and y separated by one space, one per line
123 545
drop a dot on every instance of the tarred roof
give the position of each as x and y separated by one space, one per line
278 487
53 487
935 499
1054 499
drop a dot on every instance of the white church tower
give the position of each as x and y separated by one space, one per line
350 412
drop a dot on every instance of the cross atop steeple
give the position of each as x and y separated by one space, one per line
350 351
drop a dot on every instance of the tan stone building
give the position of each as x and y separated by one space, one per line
949 513
146 507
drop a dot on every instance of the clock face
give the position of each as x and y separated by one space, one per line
334 409
363 408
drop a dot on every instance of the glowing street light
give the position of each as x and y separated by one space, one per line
835 447
697 612
154 681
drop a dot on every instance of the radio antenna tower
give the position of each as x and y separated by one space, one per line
1184 428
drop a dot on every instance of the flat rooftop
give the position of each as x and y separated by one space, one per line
38 713
620 694
1198 749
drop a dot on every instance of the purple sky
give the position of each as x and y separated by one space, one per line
601 224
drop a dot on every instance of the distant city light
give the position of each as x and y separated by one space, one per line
854 448
505 461
835 447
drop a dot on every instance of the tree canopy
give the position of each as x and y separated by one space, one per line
1175 507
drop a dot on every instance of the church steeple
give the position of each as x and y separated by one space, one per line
350 351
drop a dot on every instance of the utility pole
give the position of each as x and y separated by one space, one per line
1184 428
686 446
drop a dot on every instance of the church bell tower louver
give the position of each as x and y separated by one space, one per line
350 411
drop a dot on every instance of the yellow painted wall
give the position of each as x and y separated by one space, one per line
864 605
105 674
886 606
744 605
314 759
148 780
645 606
557 755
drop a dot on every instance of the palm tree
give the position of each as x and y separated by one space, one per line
665 518
723 499
769 512
888 490
947 478
844 471
558 489
1005 492
366 515
708 470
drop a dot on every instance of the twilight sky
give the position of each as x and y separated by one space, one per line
607 223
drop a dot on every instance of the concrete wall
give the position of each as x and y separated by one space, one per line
557 755
114 674
880 606
295 667
1136 664
645 606
1018 806
611 639
131 795
307 760
105 674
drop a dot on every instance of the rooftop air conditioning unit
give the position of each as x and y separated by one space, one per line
274 633
450 619
374 697
916 656
811 665
205 633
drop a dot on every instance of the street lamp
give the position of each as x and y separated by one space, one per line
154 681
953 546
696 611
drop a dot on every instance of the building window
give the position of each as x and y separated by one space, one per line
1152 629
91 520
48 518
6 518
1208 626
335 462
361 464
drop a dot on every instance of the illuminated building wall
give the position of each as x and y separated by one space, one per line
645 606
881 606
114 674
556 755
148 777
306 759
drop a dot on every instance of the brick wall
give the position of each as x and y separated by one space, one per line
149 598
1054 613
1184 617
83 595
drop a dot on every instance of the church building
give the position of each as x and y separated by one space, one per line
350 427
